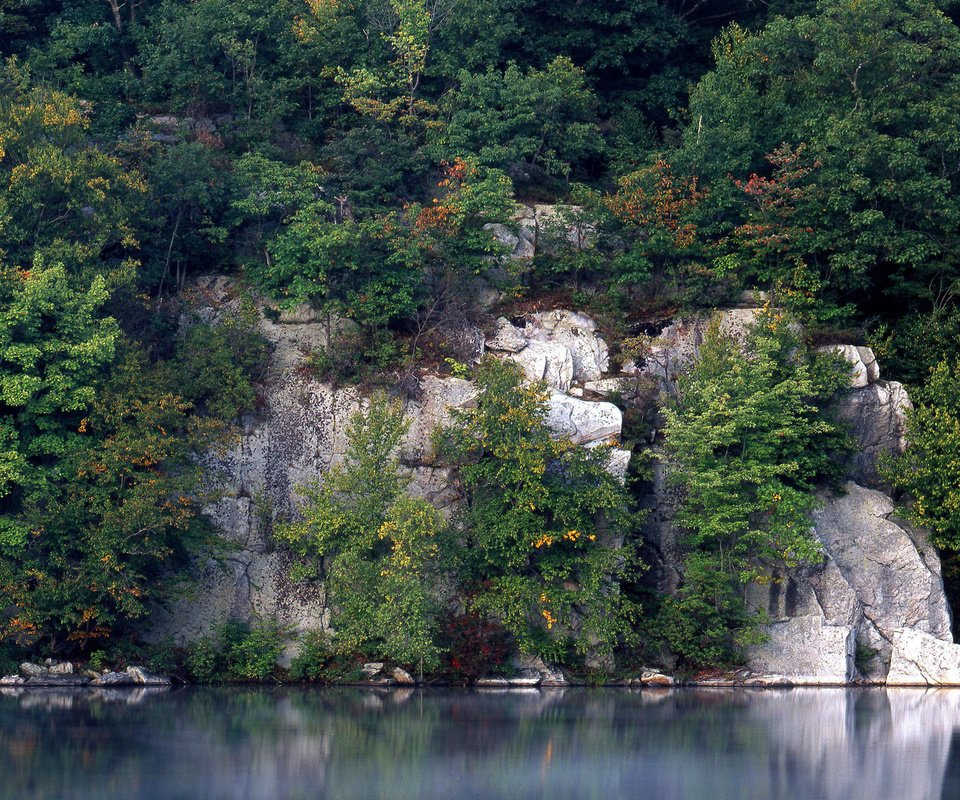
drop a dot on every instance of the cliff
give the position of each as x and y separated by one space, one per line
873 609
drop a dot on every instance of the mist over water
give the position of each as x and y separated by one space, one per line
406 744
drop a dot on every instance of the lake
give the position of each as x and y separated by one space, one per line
407 744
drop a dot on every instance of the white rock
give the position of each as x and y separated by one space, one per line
583 421
372 668
550 362
807 650
577 333
919 659
853 355
145 677
402 677
507 337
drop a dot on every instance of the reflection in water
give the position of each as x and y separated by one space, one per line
346 744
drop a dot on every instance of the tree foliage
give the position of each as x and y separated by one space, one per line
380 548
747 440
542 521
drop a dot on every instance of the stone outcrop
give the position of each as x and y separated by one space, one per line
809 650
301 432
875 605
879 576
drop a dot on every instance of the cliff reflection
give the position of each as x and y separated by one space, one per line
286 744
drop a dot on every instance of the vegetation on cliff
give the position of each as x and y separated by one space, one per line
350 156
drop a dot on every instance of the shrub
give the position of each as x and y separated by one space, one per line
313 659
382 547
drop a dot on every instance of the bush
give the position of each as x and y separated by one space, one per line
252 651
381 547
312 662
540 517
474 647
203 660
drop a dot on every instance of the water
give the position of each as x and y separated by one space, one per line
600 744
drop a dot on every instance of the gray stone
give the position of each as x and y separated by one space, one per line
11 680
146 678
582 421
62 668
115 679
504 236
653 677
919 659
402 677
549 675
491 683
527 677
549 362
507 337
577 333
863 363
807 650
30 670
876 416
372 668
892 569
57 681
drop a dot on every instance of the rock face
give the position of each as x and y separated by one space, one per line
301 432
879 576
808 650
920 659
874 608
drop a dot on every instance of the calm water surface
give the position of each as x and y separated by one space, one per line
603 744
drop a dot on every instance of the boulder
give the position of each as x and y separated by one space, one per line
807 650
62 681
12 680
30 670
372 668
144 677
61 668
507 337
892 569
114 679
879 575
919 659
492 683
549 675
577 333
582 421
864 368
546 361
402 677
653 677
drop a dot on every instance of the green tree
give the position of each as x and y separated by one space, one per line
531 123
929 470
543 522
871 91
92 539
380 548
747 440
62 196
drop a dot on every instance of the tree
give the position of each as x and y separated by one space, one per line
747 440
928 471
94 534
872 94
542 523
63 198
380 547
521 121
